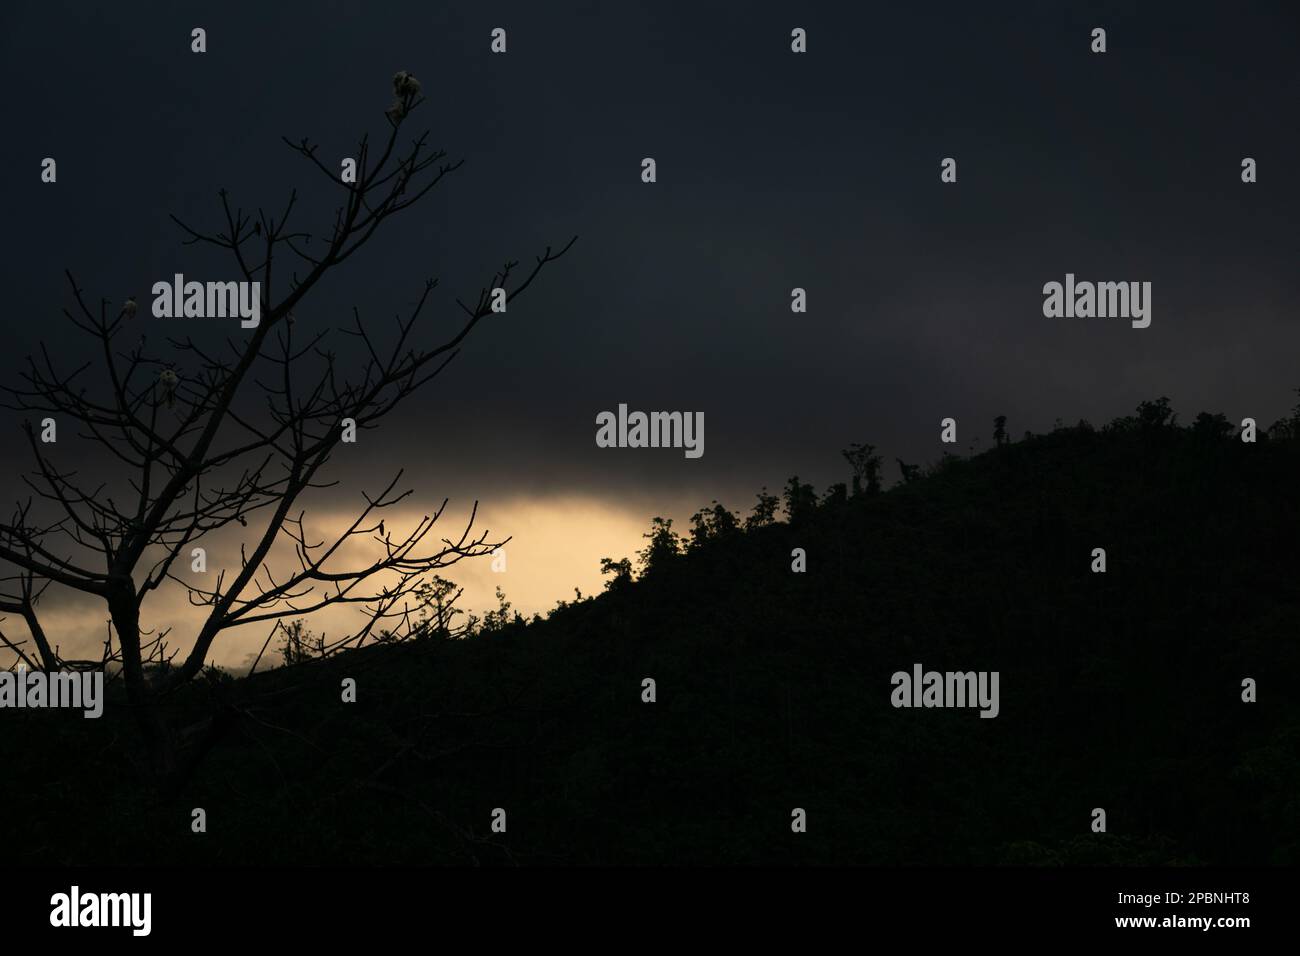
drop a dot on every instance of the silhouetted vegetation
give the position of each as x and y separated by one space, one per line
866 468
1119 690
764 512
800 501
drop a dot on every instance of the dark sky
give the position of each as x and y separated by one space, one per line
775 170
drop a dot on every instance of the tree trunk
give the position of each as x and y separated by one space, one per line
143 700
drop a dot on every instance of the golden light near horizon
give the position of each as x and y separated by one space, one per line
555 546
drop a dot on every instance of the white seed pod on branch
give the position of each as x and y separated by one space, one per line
405 84
168 381
129 308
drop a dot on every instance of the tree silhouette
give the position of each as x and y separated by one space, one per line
438 597
800 500
1000 430
620 572
866 468
712 524
764 511
665 544
1212 427
300 644
1155 414
1289 426
236 437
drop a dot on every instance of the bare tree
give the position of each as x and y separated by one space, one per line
216 437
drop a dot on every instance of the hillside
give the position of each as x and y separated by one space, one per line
1119 690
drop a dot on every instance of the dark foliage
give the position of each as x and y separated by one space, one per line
1118 690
